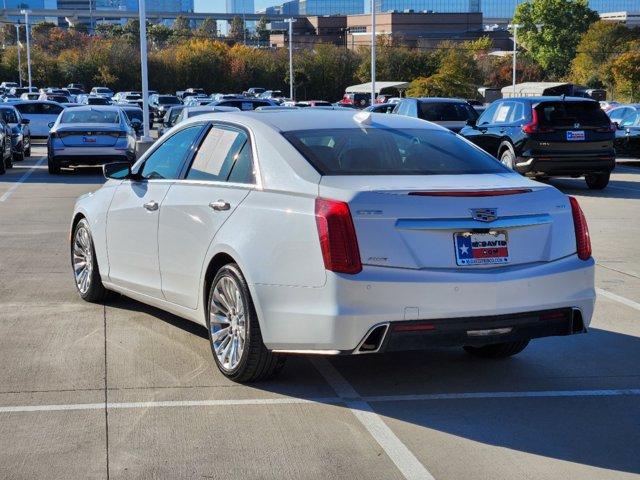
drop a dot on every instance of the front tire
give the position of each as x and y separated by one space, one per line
27 152
597 181
498 350
234 330
85 265
9 161
18 156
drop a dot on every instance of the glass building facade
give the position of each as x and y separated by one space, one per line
239 6
442 6
331 7
151 5
504 9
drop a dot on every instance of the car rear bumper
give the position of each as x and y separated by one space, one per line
338 317
565 165
94 158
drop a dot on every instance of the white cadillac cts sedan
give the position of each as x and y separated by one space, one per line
331 232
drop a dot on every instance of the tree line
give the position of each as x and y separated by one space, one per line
560 39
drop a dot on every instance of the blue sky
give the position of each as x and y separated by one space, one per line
218 5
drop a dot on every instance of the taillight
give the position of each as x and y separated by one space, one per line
583 240
609 128
534 126
338 240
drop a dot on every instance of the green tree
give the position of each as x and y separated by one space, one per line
159 35
563 23
236 29
108 30
181 27
262 29
208 28
40 33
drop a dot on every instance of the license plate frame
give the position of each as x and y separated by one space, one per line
486 248
576 136
87 139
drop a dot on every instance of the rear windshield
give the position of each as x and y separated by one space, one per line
169 100
446 112
571 114
103 90
382 151
134 114
89 116
98 101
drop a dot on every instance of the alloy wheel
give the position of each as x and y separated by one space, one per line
228 323
82 259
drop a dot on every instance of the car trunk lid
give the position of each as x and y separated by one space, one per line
419 222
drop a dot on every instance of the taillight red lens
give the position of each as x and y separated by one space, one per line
338 240
583 240
534 126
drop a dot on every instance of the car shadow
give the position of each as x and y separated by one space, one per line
620 189
40 175
592 430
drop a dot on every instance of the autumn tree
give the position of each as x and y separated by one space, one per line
601 43
551 29
159 35
625 70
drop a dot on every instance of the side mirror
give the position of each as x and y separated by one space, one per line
117 170
51 124
25 121
617 125
472 122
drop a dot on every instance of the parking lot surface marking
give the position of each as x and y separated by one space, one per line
26 175
355 401
397 451
618 298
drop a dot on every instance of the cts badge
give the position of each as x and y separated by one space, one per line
484 214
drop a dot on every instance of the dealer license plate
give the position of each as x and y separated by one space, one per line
575 135
481 248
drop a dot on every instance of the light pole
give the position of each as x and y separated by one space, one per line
515 27
373 52
26 33
143 68
17 25
290 21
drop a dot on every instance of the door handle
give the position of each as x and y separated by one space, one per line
151 206
220 205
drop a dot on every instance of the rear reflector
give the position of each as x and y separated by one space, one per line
472 193
338 240
583 240
413 327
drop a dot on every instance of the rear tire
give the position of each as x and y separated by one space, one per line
498 350
3 168
508 159
54 168
597 181
238 317
9 161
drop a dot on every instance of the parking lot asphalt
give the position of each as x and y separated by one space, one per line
123 390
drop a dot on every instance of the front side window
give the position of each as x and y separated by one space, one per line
166 161
217 154
387 151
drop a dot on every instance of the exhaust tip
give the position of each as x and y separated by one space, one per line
373 341
577 324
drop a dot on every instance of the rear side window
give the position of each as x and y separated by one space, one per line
446 112
217 154
570 114
385 151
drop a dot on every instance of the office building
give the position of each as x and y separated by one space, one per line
331 7
239 6
151 5
439 6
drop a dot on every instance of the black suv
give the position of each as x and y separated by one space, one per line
548 136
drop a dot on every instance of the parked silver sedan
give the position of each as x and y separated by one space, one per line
91 135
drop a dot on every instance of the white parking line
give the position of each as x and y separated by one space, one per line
400 455
26 175
343 399
618 298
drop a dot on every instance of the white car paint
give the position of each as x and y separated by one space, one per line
36 113
409 273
